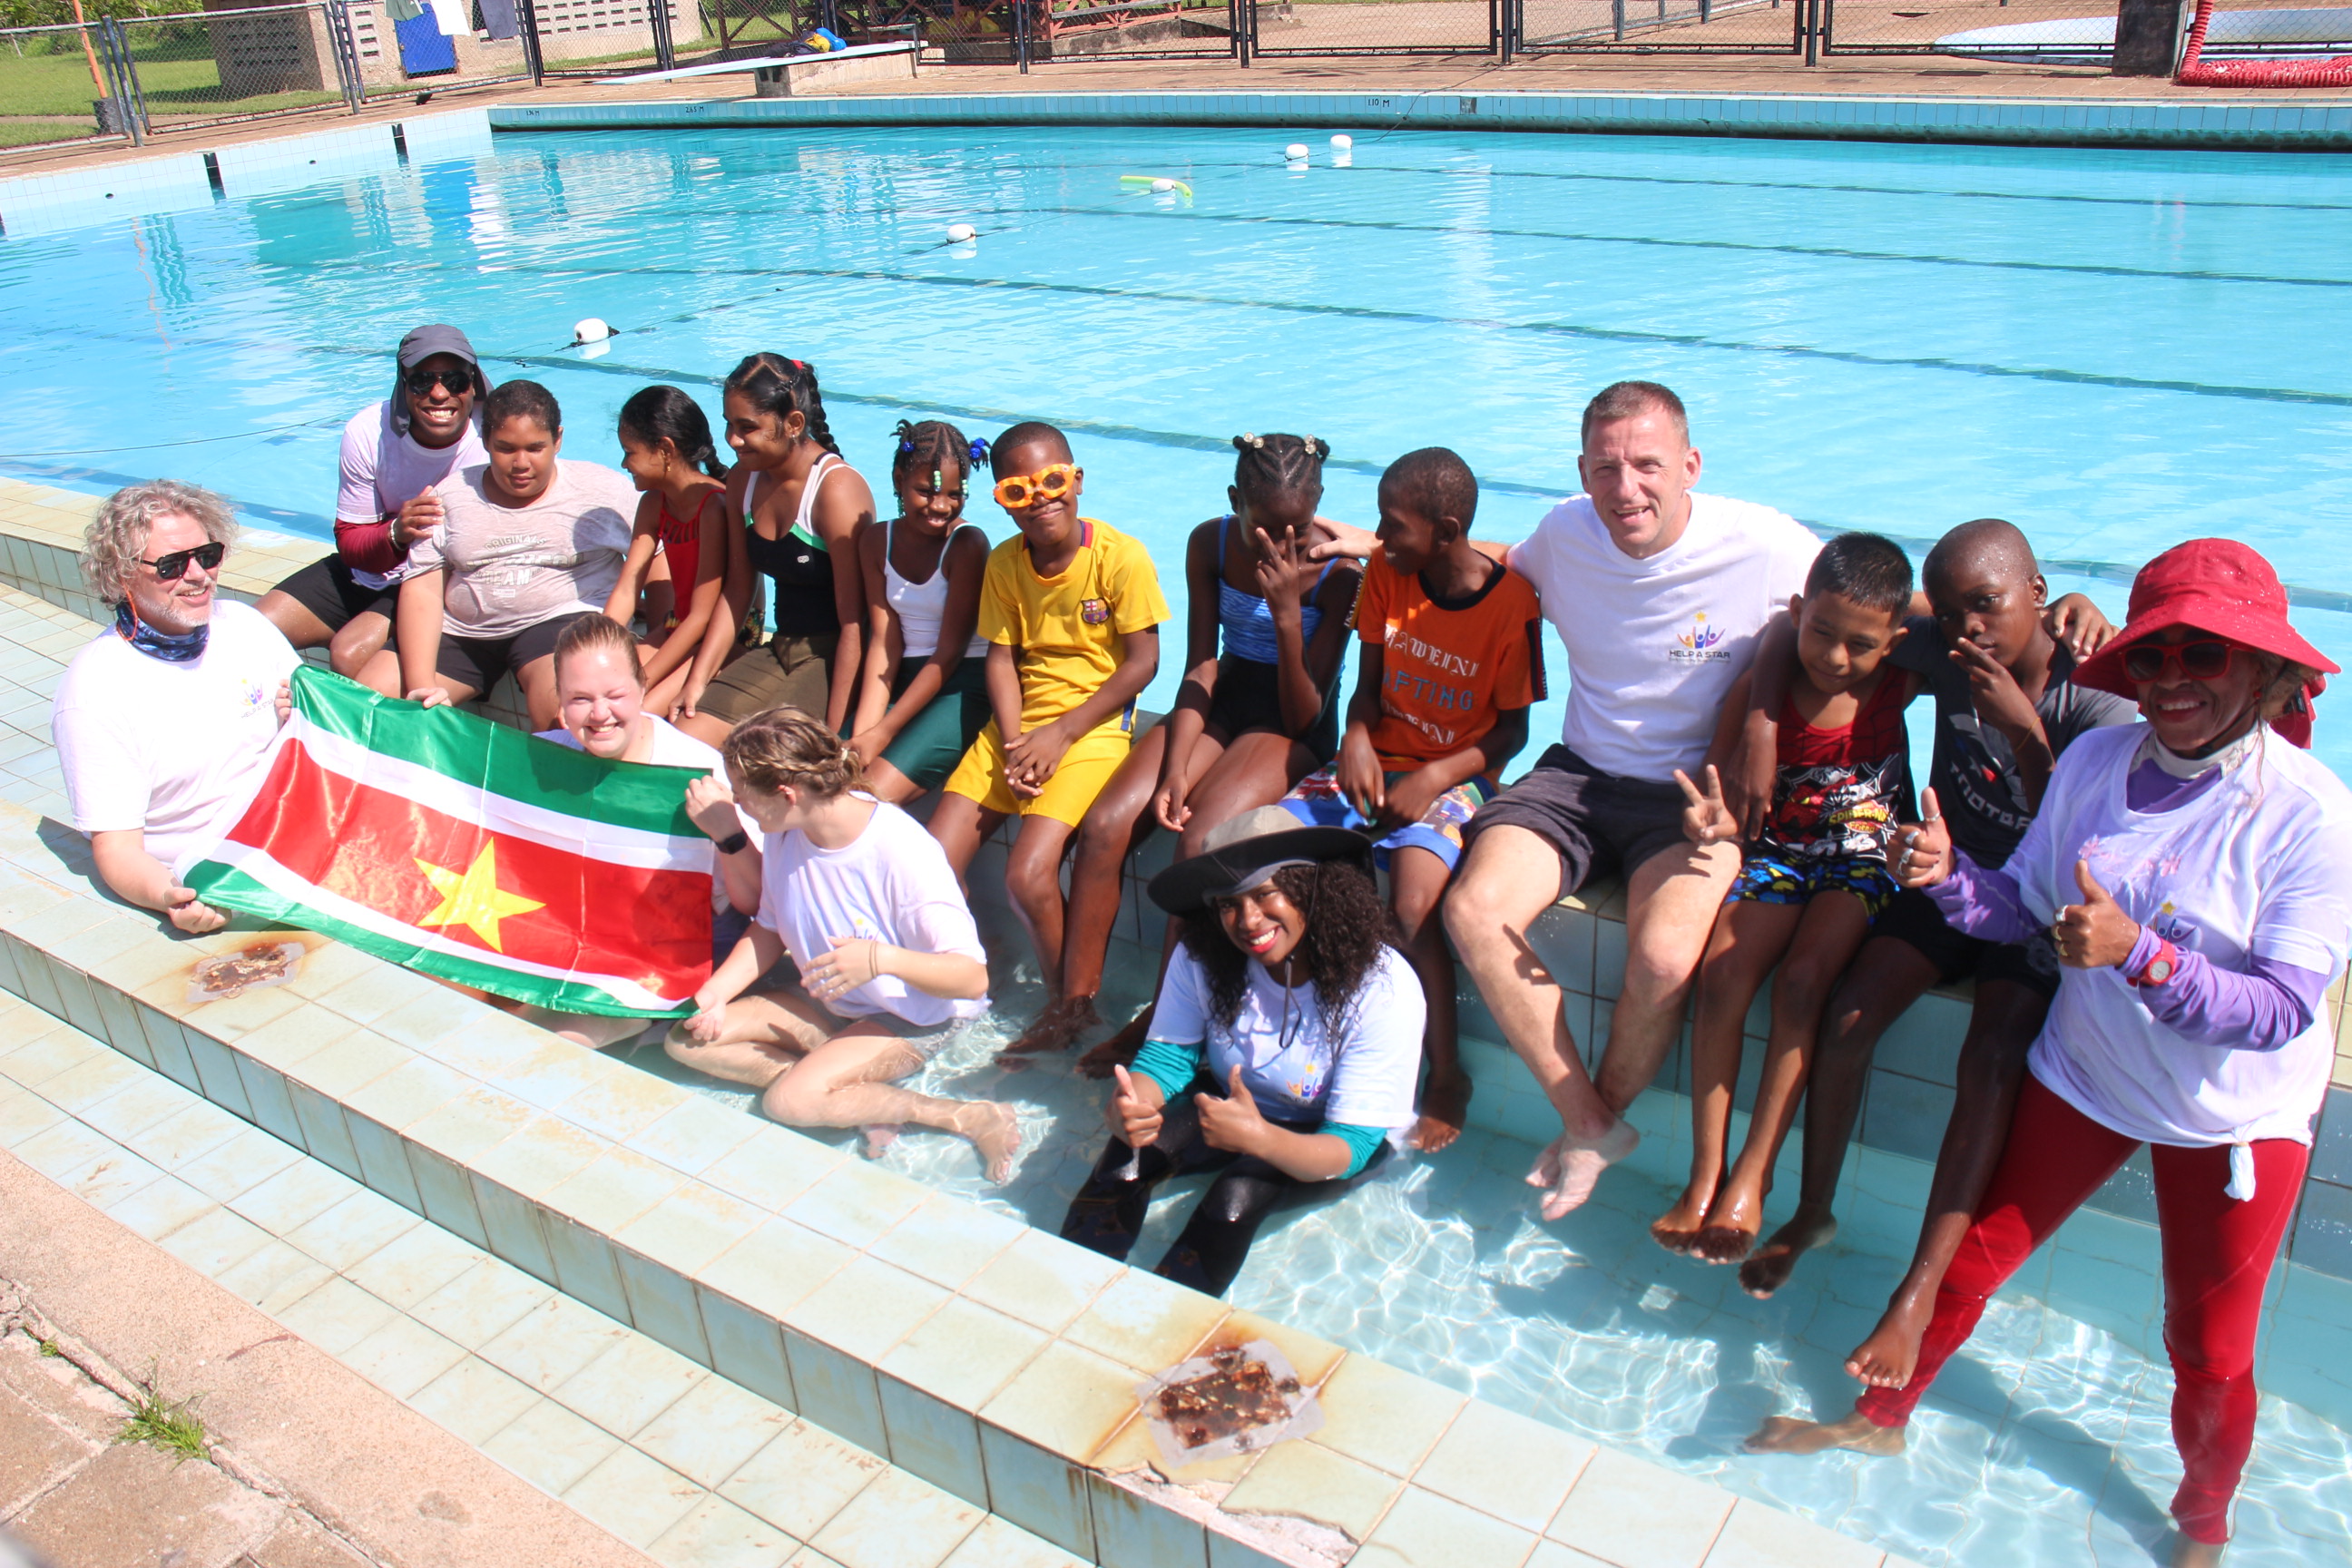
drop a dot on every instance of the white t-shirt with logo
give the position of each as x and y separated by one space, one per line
511 568
2253 866
165 747
1654 645
892 882
674 748
383 470
1295 1069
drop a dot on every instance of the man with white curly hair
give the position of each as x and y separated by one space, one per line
165 718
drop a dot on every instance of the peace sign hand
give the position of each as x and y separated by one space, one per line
1924 853
1706 819
1233 1123
2094 933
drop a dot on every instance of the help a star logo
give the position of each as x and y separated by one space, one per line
1699 643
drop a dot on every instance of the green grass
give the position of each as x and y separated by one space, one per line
168 1425
177 76
49 1347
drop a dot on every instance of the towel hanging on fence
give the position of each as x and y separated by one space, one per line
402 10
499 20
455 17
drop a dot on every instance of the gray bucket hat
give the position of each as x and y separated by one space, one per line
1241 852
417 347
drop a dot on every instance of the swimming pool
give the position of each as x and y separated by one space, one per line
2116 350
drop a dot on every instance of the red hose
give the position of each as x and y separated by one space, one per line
2195 72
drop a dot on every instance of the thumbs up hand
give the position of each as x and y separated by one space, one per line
1233 1123
1134 1112
1923 850
2094 933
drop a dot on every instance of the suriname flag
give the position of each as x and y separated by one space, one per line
472 851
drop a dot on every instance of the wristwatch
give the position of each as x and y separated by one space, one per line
735 843
2157 970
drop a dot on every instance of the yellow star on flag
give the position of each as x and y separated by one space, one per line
474 900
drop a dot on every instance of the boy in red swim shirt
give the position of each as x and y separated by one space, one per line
1811 885
1452 656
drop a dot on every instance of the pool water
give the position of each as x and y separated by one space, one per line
2116 350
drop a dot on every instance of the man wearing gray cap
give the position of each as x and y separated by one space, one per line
394 452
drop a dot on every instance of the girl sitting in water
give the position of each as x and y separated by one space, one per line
1284 1050
924 696
675 571
1266 632
801 505
891 969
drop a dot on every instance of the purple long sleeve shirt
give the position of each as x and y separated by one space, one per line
2259 1008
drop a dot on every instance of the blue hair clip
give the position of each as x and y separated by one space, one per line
904 445
979 451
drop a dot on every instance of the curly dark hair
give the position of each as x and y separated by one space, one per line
1347 926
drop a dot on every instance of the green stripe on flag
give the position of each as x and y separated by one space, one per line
506 762
232 889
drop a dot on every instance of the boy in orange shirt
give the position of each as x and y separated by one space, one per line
1452 656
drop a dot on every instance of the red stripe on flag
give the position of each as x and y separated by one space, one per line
363 844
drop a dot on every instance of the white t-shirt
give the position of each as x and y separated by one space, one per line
1653 646
674 748
2254 865
511 568
165 747
383 470
1294 1069
892 882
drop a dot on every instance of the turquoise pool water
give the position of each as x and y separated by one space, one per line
2118 350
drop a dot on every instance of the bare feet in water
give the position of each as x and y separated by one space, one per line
1567 1169
2188 1553
1118 1050
1444 1107
878 1137
1677 1229
1733 1223
1787 1435
1889 1357
994 1129
1057 1028
1767 1269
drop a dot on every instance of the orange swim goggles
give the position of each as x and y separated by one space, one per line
1015 491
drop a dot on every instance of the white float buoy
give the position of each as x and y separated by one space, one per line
593 330
961 234
1343 141
1162 187
1296 150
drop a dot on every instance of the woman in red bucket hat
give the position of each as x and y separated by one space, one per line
2191 873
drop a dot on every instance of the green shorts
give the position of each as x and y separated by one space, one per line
927 750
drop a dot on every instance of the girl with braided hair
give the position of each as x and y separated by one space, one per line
799 506
1266 633
923 698
891 969
675 571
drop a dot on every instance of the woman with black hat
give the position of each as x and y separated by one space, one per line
394 453
2190 870
1285 1045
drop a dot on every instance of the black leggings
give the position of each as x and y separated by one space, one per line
1108 1210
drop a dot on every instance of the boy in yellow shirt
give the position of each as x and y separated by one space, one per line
1071 609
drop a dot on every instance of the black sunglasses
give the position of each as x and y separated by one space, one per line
2205 660
173 567
456 382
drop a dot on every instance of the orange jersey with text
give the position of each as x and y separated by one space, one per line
1449 668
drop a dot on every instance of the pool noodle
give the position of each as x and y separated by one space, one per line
1147 179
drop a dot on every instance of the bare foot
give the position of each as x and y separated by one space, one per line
879 1136
1444 1107
1118 1050
1677 1229
1787 1435
1572 1165
994 1129
1057 1028
1889 1357
2188 1553
1733 1224
1768 1269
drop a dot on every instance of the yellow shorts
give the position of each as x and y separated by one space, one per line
1085 768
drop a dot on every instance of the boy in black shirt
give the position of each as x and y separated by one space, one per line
2004 709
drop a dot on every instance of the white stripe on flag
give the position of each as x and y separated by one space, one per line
258 865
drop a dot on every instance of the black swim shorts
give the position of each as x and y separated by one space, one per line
479 662
326 589
1914 919
1598 822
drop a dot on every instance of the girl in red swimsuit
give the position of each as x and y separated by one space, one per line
677 564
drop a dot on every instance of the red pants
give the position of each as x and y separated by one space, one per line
2217 1260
